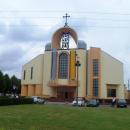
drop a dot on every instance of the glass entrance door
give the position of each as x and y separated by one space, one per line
65 93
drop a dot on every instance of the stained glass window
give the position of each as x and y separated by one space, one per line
63 66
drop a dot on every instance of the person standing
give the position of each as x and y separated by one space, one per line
113 101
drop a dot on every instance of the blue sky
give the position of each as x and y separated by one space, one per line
27 25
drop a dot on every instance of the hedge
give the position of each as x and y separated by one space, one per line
15 101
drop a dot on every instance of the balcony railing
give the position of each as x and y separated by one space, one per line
62 82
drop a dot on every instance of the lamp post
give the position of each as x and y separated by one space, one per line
77 65
14 90
128 84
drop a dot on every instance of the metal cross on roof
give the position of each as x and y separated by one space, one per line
66 18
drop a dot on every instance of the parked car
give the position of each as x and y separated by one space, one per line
121 103
79 101
93 103
39 100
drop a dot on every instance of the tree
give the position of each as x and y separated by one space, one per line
16 82
1 81
7 84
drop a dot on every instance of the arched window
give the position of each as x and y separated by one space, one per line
63 66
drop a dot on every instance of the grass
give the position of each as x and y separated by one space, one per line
60 117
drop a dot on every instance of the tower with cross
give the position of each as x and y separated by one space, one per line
65 35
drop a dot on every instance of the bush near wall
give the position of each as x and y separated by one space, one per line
14 101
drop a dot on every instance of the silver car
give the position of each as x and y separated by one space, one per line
79 101
39 100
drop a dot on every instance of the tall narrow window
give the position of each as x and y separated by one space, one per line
95 67
24 74
31 73
63 66
95 87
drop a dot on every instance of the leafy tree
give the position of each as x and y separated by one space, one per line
16 82
1 81
7 83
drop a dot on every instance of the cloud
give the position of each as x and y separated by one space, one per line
23 31
3 28
11 59
26 32
80 25
20 41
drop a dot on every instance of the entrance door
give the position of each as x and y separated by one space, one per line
66 94
71 95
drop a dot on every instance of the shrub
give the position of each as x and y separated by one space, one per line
15 101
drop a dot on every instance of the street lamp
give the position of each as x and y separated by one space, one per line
14 90
77 65
128 84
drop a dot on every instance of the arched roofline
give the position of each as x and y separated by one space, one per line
56 38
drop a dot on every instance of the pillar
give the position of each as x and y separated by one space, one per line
38 90
24 90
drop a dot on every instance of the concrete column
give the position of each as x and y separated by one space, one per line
24 90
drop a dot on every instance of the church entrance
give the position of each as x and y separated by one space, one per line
65 93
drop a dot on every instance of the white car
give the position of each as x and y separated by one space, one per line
79 102
37 99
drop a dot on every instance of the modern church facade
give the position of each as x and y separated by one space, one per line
65 73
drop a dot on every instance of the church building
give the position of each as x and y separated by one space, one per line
63 72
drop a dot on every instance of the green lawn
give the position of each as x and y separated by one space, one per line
59 117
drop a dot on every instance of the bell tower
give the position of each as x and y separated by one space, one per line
65 40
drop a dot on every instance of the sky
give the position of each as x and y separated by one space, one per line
27 25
